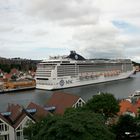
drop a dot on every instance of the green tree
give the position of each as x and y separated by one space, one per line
83 125
5 67
104 103
14 77
126 126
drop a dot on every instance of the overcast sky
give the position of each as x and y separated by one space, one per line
37 29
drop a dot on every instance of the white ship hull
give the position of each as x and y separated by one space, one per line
68 82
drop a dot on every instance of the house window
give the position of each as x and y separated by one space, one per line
19 133
6 128
79 104
3 127
4 137
20 127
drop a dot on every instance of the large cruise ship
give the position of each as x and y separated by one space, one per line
74 70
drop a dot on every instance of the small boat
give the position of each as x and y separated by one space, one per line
135 94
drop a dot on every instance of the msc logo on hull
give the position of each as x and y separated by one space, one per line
62 82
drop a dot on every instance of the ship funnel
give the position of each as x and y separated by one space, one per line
72 52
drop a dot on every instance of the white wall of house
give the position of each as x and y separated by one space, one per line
19 130
79 103
6 131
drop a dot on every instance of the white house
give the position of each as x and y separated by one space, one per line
16 118
6 130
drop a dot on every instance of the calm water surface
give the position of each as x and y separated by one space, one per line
120 89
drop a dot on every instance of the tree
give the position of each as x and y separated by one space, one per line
14 77
83 125
126 127
104 103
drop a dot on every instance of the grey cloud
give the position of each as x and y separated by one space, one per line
66 12
99 41
104 53
40 33
133 42
6 28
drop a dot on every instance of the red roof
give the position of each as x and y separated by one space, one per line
4 119
40 111
16 116
19 119
14 71
62 101
127 106
7 76
15 110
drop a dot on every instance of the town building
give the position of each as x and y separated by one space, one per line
61 101
130 108
16 118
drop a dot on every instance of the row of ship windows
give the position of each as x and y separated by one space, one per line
61 75
47 67
67 69
92 67
43 73
102 69
82 66
42 70
39 75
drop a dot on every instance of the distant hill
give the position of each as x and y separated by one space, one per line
21 64
136 64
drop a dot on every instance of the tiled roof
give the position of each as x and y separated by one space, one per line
127 106
18 113
62 101
4 119
14 71
7 76
19 119
40 111
15 110
16 116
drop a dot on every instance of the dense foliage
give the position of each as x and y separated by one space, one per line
104 103
87 123
77 125
23 65
127 127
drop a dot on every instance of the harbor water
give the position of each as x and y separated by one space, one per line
120 89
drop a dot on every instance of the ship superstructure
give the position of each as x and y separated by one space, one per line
74 70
